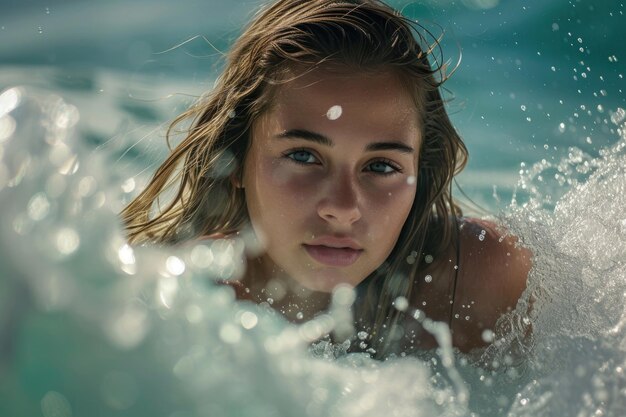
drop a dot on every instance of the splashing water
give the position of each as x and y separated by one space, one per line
90 323
571 321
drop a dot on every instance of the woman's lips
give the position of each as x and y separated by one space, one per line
338 257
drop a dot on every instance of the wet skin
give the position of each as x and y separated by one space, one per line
329 177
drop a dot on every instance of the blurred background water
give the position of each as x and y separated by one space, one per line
534 78
78 337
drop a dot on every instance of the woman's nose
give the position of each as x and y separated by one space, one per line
340 202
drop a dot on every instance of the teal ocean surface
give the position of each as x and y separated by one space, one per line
90 326
533 79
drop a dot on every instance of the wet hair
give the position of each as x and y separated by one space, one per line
193 193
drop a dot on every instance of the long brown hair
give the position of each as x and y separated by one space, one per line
357 34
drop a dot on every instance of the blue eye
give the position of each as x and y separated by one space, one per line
382 167
302 157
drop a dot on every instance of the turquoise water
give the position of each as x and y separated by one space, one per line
90 327
532 75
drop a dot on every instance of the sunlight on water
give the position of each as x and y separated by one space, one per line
94 324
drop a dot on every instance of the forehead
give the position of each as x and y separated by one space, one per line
356 90
328 97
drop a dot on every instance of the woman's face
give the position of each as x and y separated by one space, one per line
330 175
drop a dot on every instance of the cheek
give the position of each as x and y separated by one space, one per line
390 208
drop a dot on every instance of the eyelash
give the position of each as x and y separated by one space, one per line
395 168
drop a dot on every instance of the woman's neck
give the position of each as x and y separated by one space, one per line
265 282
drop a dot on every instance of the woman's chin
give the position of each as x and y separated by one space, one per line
325 281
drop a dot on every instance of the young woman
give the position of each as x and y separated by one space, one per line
327 137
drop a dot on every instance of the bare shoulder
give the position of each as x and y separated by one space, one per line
493 270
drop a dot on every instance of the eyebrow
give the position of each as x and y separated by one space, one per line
323 140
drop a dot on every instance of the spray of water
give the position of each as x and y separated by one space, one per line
89 323
569 327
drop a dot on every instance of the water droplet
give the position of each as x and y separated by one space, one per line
249 320
38 207
343 295
39 29
167 290
561 127
9 100
129 185
7 127
202 256
555 27
67 241
299 315
230 334
523 107
401 303
47 10
126 255
175 265
428 259
362 335
411 180
488 336
334 112
428 278
86 186
618 116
